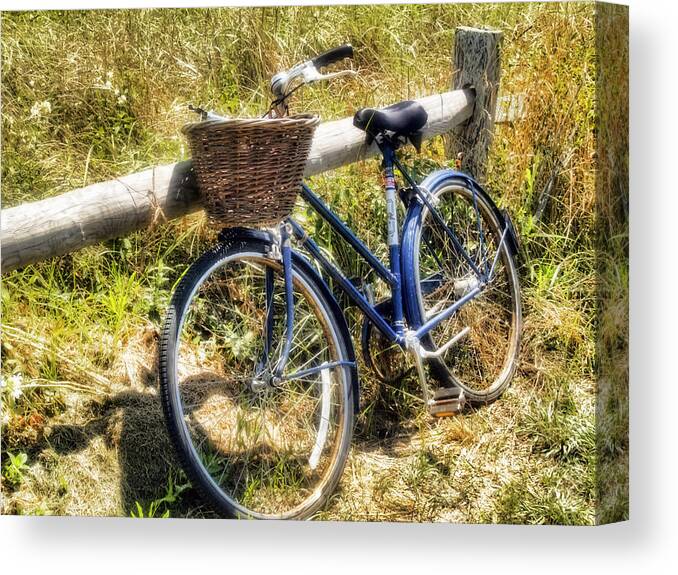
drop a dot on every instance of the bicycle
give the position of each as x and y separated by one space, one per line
258 370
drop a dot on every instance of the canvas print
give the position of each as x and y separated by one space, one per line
357 263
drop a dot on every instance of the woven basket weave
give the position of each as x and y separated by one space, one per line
249 170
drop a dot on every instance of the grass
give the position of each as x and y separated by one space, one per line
83 424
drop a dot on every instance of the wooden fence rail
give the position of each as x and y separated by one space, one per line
39 230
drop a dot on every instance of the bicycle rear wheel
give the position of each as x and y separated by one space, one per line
484 360
256 447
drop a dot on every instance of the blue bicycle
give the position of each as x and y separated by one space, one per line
258 370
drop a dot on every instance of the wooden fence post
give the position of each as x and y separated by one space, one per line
476 65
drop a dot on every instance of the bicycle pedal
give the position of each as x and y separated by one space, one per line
447 402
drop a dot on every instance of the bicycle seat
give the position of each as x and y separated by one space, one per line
404 119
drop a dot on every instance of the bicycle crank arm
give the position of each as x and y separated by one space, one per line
441 351
446 401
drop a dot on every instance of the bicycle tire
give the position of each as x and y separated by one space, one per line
196 469
447 369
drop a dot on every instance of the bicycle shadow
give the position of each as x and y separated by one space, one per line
132 425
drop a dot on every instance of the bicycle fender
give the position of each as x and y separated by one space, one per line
412 223
233 236
442 177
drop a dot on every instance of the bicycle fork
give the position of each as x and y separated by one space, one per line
284 254
278 374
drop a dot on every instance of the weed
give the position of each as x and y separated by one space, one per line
546 497
13 470
560 428
162 505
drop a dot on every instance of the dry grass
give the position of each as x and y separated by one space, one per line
80 330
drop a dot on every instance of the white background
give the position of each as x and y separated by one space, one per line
646 544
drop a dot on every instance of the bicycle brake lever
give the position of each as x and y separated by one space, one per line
206 114
312 75
198 110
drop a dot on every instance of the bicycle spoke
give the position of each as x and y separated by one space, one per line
267 446
477 362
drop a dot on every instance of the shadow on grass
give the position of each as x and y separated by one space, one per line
132 423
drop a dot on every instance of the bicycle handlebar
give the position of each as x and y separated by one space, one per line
334 55
283 84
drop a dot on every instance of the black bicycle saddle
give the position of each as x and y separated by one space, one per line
403 119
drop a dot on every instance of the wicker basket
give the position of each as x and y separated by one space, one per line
250 170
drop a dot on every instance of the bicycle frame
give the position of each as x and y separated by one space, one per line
395 331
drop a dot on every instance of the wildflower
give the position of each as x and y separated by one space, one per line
41 109
12 385
15 386
122 99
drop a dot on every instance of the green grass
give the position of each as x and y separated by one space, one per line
92 95
162 506
547 496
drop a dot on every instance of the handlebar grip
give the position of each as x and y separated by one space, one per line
333 55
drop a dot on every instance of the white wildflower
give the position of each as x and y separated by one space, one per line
41 109
5 418
15 385
122 99
109 75
12 385
116 92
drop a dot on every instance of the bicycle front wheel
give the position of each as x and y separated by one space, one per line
485 357
257 447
